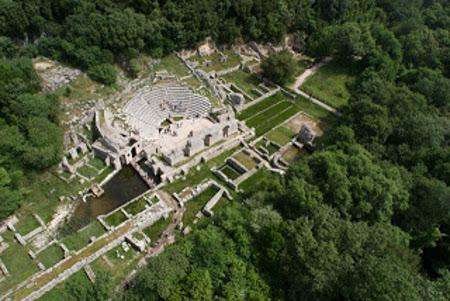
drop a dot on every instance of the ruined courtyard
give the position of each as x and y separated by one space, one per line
190 141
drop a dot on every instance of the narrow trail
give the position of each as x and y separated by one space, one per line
309 72
318 102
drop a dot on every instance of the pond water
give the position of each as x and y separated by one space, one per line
123 187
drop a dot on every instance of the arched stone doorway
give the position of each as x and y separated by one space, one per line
225 131
208 140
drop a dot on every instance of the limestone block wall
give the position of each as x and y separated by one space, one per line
237 165
229 70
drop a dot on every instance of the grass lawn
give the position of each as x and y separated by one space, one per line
230 172
103 175
46 188
192 82
281 135
115 219
272 149
245 81
136 207
262 117
245 160
17 261
196 204
51 255
332 83
138 236
293 154
254 181
127 255
327 118
87 171
26 224
97 163
233 60
262 105
173 65
154 231
276 120
81 238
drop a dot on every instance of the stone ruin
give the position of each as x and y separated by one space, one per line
135 130
54 75
237 100
306 134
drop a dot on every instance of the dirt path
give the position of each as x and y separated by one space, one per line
309 72
318 102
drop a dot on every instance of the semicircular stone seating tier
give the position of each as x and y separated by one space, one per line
150 106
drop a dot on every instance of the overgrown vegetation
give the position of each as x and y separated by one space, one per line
366 219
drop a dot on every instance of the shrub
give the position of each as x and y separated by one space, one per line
104 73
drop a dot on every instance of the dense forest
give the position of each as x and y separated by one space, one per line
366 219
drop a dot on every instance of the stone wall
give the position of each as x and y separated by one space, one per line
229 70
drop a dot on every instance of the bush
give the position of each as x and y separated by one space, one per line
104 73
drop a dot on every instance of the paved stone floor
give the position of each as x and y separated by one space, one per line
169 141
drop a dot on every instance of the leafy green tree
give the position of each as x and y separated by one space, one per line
197 286
103 286
353 184
44 147
279 67
335 9
10 195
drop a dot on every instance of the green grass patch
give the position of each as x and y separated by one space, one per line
255 180
81 238
138 236
178 118
281 135
116 218
87 171
260 106
136 207
17 261
154 231
192 82
233 60
103 175
245 160
165 123
245 81
276 120
97 163
230 172
173 65
196 204
262 117
271 148
46 188
51 255
26 224
293 154
332 83
195 177
327 118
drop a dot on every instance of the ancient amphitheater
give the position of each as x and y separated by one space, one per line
152 105
167 119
